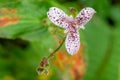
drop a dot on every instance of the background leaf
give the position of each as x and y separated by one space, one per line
27 35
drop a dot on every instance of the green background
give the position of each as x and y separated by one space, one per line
24 44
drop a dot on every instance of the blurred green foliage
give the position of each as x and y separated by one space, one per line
24 44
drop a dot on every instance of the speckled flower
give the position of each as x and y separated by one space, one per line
71 25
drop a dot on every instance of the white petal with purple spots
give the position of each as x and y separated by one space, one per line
71 25
84 16
72 43
58 17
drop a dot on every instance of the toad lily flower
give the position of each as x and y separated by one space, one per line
71 25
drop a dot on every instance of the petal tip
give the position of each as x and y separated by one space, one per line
91 9
73 53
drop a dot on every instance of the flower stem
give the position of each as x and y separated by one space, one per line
44 62
52 54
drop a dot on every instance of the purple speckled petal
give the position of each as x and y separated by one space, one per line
84 16
71 25
58 17
72 43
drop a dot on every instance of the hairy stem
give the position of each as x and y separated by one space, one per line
52 54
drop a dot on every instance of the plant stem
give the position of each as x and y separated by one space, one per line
52 54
